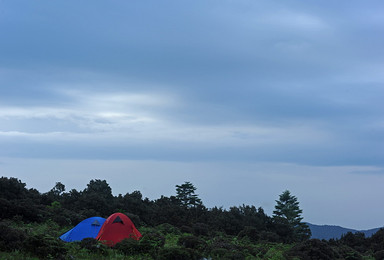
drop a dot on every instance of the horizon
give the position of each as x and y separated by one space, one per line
243 99
270 214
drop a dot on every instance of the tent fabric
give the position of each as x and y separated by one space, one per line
116 228
88 228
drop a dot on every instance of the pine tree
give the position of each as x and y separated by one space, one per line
186 195
287 211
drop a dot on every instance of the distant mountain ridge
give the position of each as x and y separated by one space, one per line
329 231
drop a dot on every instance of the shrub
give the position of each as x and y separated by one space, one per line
93 246
168 229
234 255
152 241
312 249
25 208
186 229
192 242
377 240
10 238
356 241
218 253
270 237
251 232
225 254
221 242
129 247
177 253
347 252
61 220
45 246
149 243
379 255
200 229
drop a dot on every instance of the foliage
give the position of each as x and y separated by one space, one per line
152 242
186 195
129 247
178 253
376 242
287 215
356 241
193 242
173 227
312 249
11 238
200 229
251 233
94 246
379 255
45 246
167 228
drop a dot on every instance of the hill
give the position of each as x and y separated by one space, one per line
329 231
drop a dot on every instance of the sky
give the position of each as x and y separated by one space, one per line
244 99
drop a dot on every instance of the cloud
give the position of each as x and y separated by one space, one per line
249 96
296 21
280 81
289 122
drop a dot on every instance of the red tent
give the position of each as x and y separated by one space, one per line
116 228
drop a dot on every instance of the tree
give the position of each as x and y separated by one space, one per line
99 187
58 189
55 194
12 188
97 197
186 195
287 212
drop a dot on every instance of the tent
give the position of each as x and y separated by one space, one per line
89 227
116 228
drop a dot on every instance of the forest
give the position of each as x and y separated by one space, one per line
175 227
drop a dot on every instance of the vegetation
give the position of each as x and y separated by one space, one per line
287 214
175 227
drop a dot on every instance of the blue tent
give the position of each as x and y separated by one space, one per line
89 227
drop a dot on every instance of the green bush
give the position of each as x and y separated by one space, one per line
356 241
218 253
222 242
379 255
93 246
251 232
152 241
347 252
178 253
234 255
270 237
312 249
377 241
186 229
192 242
45 246
225 254
129 247
168 229
200 229
11 239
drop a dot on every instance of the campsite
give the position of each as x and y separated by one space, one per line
191 130
90 224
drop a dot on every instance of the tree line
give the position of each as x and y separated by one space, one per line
184 210
174 227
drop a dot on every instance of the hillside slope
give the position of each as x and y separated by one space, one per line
329 231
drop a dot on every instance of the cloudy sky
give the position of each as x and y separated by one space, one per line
243 98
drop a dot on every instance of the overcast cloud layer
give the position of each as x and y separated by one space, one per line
263 88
